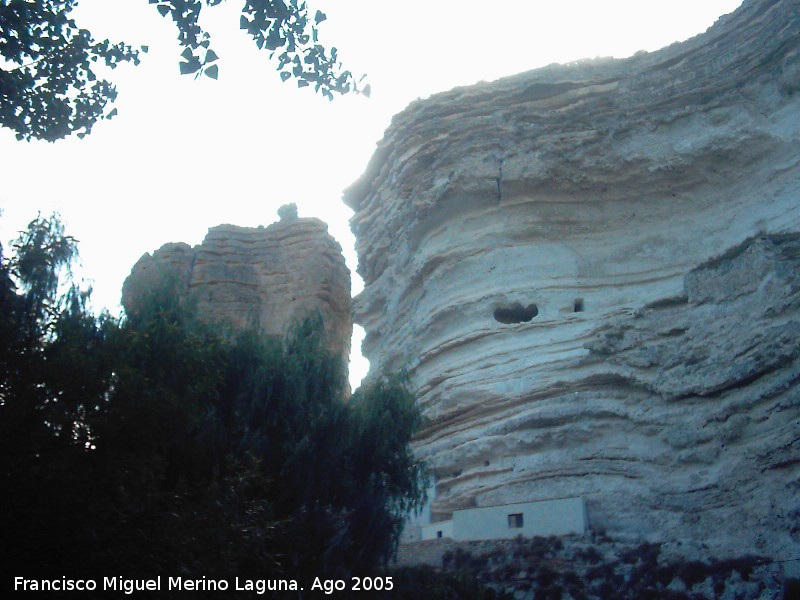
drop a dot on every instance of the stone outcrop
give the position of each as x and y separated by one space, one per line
591 272
266 277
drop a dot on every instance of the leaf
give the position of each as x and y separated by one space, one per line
301 83
367 91
163 9
112 114
189 67
187 54
145 49
243 22
285 76
212 71
211 56
319 17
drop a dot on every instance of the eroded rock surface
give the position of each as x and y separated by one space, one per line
265 277
591 272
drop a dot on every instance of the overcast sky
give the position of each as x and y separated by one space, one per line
184 155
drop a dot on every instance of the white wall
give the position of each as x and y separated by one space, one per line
547 517
429 532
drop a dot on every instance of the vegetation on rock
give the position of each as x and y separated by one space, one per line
593 569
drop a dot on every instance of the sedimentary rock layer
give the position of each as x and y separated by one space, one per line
591 272
263 277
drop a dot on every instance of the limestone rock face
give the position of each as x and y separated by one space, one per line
591 272
263 277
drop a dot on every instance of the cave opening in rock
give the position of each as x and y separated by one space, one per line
515 313
578 305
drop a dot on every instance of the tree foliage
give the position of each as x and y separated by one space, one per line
160 445
50 86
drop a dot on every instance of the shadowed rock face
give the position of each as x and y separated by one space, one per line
632 224
263 277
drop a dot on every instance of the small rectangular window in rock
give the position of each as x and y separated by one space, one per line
438 534
515 521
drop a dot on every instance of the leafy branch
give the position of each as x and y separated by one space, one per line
53 91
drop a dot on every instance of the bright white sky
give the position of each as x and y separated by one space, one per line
184 155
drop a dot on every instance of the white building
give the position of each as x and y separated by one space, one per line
562 516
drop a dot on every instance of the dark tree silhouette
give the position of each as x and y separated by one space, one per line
158 444
49 83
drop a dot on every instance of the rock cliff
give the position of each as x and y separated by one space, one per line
591 272
264 277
